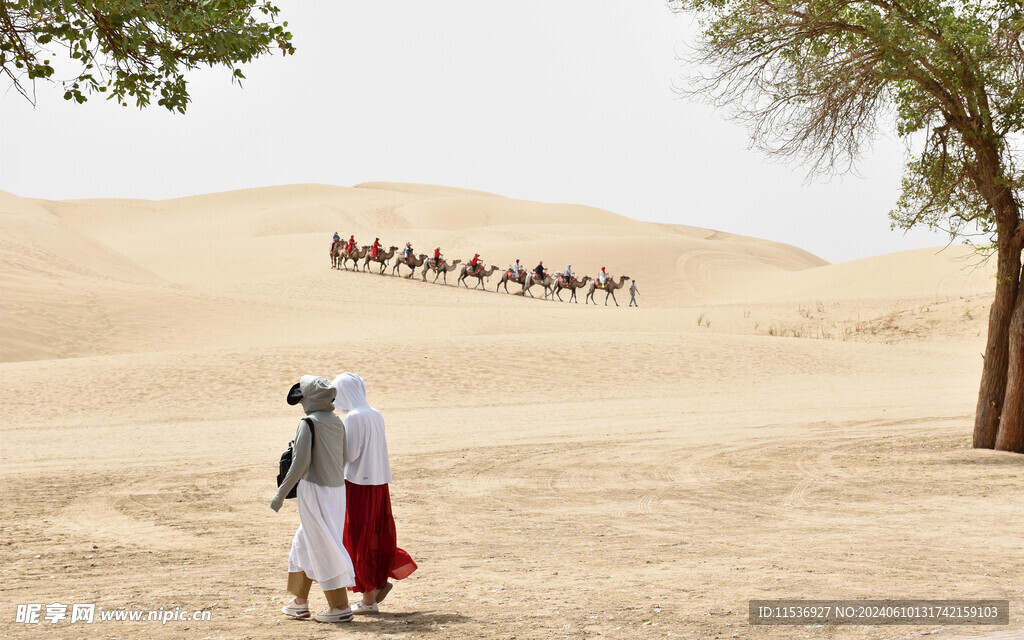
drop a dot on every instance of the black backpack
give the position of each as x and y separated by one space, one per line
286 460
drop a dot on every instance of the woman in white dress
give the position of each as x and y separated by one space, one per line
318 474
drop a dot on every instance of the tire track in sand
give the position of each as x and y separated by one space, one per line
109 519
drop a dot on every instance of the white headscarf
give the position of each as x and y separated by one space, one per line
365 443
351 392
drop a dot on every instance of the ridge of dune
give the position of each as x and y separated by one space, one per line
424 189
226 216
455 212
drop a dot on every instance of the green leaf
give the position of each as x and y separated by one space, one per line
144 46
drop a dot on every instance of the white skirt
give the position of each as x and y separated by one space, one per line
318 547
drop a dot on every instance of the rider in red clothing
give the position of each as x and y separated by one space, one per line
376 247
437 257
474 263
351 244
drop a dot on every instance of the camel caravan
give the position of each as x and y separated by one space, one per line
552 284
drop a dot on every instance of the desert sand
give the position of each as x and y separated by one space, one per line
765 425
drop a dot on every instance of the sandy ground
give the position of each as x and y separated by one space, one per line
766 425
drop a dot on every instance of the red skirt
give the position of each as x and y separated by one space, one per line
370 537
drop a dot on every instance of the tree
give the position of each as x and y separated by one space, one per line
815 80
133 49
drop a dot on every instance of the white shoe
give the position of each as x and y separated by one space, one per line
293 610
335 615
360 608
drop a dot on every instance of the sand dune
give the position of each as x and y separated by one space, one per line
927 273
37 242
765 425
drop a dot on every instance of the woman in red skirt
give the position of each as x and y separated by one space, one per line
369 526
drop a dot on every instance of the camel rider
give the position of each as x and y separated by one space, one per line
474 263
516 268
351 244
540 270
408 250
336 237
376 247
568 274
602 277
437 257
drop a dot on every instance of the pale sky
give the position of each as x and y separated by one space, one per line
567 101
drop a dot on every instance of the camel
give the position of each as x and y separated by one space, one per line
336 254
413 262
506 277
572 286
609 289
442 270
355 257
382 258
548 283
479 275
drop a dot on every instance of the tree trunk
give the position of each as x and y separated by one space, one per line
1011 420
997 352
